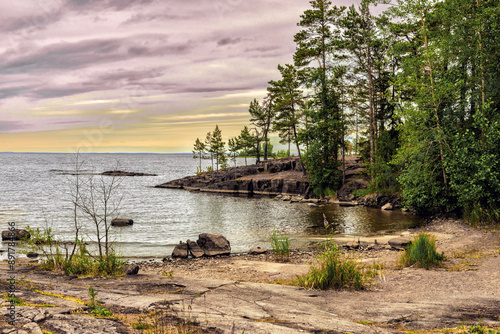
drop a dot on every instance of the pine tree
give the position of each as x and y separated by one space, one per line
288 104
218 146
199 149
245 140
317 42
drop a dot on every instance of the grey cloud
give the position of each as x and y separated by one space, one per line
11 126
131 75
263 49
72 56
62 56
212 89
13 91
111 4
53 92
228 41
140 18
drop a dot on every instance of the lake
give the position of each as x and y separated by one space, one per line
36 188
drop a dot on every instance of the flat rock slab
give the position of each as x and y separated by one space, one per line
399 243
72 323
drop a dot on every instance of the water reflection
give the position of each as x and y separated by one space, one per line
359 220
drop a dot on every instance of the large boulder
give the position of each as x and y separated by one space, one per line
195 250
214 244
17 234
122 222
180 251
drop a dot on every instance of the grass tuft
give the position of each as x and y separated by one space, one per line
334 270
281 246
422 252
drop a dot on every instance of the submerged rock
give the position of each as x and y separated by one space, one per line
122 222
122 173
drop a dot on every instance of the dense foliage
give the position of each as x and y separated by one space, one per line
415 90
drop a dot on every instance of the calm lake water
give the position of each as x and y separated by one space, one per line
35 191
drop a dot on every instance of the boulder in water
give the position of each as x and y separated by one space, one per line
17 234
122 222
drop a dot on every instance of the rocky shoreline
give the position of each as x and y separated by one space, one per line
272 177
284 179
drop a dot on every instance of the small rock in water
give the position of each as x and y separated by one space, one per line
122 222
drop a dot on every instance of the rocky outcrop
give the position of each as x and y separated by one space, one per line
206 245
272 177
355 179
380 200
122 173
17 234
122 222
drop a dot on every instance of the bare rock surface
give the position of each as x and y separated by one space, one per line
232 294
71 324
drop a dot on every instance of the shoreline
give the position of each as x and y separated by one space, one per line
252 293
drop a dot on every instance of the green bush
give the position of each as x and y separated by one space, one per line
57 256
334 270
422 251
280 245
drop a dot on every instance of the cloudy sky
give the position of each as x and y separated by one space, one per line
136 75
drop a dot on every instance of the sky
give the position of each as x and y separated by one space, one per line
136 75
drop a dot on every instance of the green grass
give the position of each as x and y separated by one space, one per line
280 245
336 271
95 305
422 252
479 329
